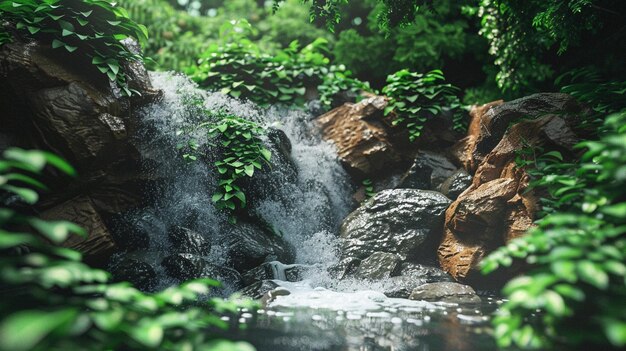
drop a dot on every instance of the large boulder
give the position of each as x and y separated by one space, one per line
249 245
362 139
404 222
498 206
60 102
378 265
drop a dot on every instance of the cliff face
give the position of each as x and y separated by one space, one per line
53 101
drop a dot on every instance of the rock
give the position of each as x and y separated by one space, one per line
497 207
456 184
274 270
248 245
139 273
99 244
273 294
445 292
186 240
187 266
132 231
361 138
400 221
258 289
490 122
379 265
428 172
60 102
410 275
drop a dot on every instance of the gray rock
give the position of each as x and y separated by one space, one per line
399 221
186 240
445 292
428 172
141 274
258 289
274 270
409 275
456 184
379 265
273 294
248 245
187 266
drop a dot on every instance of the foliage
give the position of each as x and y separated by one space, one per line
523 34
176 38
93 28
242 153
440 39
587 85
577 254
368 187
415 97
53 301
238 67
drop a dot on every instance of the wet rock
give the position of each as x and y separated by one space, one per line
274 270
379 265
187 266
497 207
132 231
99 244
258 289
456 184
141 274
409 275
445 292
428 172
186 240
248 245
273 294
361 138
400 221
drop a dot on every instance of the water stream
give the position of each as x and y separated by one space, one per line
320 313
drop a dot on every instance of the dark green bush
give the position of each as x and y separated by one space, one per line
53 301
92 28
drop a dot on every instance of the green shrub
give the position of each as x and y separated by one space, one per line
92 28
415 97
242 153
240 68
576 254
53 301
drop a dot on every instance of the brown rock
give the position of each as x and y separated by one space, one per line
360 136
98 246
497 207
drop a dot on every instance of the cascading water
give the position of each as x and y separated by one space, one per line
303 200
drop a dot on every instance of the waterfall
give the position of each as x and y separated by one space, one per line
306 209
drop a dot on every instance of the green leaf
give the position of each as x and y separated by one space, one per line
249 169
149 334
267 155
24 330
593 274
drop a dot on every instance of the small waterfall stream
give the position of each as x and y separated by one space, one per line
307 210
